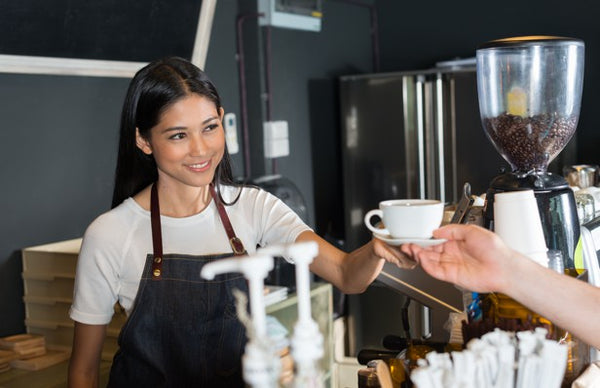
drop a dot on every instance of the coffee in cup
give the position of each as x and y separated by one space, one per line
407 218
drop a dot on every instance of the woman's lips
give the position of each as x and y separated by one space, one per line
199 167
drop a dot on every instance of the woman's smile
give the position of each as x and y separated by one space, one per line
199 167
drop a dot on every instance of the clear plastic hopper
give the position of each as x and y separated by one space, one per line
529 97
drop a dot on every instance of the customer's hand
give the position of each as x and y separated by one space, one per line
473 258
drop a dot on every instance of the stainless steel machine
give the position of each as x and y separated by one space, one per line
412 134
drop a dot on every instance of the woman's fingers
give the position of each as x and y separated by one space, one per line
397 256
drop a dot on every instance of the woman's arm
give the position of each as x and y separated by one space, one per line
85 357
477 259
353 272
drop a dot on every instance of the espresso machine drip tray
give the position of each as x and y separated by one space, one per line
419 286
404 303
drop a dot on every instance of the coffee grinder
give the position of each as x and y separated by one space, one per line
529 99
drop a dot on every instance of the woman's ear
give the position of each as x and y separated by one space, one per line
221 113
142 143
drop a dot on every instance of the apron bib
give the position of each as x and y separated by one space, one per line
183 330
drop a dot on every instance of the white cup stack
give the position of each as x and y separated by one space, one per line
517 222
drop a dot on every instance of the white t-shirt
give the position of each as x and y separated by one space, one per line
116 244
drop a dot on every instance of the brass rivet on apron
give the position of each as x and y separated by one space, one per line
157 259
156 272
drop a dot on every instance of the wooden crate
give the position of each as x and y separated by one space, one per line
54 258
49 277
55 310
59 336
58 287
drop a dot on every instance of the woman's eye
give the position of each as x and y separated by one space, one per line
177 136
211 127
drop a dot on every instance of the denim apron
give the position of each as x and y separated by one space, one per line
183 330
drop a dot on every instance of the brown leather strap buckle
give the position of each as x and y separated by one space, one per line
157 267
234 241
237 245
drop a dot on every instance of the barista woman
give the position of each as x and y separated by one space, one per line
478 260
175 208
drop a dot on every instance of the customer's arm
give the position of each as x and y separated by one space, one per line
477 259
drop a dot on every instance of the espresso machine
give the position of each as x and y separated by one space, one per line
529 92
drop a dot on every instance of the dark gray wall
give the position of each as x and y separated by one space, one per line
57 154
298 57
416 34
58 135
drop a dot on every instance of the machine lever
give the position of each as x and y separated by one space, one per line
463 206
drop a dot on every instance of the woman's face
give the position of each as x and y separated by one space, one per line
187 143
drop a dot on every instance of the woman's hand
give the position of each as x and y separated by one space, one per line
473 258
393 254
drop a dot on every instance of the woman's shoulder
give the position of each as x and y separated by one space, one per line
232 193
118 220
247 195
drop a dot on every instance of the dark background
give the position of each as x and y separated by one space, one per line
98 29
58 134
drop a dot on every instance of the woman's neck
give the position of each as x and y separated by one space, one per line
177 202
182 202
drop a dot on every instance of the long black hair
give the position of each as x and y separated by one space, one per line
153 89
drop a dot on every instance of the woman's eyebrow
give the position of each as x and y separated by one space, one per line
210 119
181 127
171 129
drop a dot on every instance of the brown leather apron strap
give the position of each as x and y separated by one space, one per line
234 241
157 246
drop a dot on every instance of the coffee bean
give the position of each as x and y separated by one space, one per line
530 143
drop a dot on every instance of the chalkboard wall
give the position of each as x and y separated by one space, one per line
135 31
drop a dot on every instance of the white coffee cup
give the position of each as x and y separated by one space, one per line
407 218
517 222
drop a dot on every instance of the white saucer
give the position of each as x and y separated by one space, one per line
424 242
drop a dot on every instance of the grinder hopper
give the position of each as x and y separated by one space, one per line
529 100
529 97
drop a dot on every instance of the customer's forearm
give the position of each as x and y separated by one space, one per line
572 304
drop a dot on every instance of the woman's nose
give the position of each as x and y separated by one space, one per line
197 145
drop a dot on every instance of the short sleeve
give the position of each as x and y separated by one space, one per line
278 223
96 280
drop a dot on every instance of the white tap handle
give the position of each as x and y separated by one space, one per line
303 254
307 340
248 265
209 271
273 250
304 251
255 268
